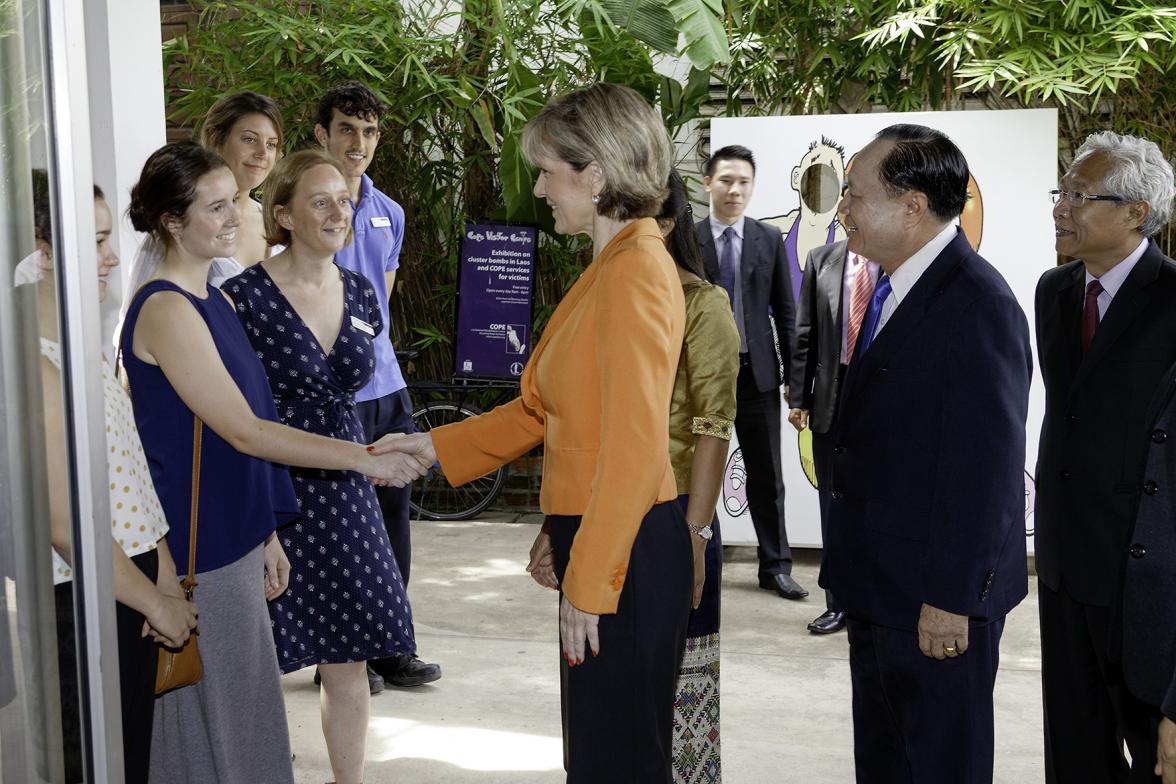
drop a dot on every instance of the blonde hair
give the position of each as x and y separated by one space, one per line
614 127
280 186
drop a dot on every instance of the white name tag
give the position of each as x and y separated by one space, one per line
381 222
363 326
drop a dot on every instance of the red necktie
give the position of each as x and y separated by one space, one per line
1090 314
863 288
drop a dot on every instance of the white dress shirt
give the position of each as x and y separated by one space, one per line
854 265
909 272
1112 280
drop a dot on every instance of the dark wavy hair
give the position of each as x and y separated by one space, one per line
214 131
925 160
167 185
681 242
354 99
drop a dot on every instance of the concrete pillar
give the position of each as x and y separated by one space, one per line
128 123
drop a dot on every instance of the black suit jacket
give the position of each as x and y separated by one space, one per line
1149 574
1094 434
816 354
766 283
927 483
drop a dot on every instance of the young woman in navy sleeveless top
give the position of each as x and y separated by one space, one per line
186 354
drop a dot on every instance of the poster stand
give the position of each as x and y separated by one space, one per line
495 293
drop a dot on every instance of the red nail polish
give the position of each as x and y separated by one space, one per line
371 449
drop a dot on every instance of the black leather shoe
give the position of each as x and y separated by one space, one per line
405 671
782 584
375 682
827 622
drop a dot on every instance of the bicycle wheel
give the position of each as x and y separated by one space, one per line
433 498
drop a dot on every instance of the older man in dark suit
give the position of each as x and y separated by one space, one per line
834 295
747 258
1106 333
926 548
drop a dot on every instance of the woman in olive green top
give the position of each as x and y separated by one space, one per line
702 415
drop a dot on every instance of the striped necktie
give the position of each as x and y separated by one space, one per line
863 288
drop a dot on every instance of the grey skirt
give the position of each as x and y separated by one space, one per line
231 726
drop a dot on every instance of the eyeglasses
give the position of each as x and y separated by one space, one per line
1078 199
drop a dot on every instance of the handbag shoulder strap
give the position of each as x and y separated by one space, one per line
197 432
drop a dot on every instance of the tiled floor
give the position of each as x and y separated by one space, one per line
494 716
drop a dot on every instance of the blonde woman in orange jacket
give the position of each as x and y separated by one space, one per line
596 393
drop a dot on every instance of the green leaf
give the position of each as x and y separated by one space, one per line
701 24
646 20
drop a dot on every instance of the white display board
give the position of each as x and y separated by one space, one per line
1013 159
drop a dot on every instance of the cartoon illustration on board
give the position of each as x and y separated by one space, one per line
735 484
818 180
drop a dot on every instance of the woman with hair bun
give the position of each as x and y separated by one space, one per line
596 392
187 356
702 418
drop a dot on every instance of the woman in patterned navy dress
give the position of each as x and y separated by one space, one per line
312 325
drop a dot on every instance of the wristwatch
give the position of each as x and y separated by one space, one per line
705 532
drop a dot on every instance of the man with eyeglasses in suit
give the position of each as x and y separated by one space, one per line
1106 335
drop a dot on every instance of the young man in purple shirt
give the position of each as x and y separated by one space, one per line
348 128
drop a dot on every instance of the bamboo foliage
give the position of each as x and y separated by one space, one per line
461 80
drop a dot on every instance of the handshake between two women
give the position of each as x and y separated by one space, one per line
397 459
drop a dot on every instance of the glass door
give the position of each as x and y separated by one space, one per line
58 657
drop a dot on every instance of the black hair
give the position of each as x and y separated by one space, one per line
42 216
167 185
925 160
681 242
354 99
732 152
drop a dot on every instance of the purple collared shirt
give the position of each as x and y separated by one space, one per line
378 224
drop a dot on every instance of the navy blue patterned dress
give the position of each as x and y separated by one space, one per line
346 601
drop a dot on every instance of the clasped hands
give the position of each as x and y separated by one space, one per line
575 625
397 459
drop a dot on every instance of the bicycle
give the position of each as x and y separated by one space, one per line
432 497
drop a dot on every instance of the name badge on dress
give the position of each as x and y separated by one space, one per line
363 326
380 222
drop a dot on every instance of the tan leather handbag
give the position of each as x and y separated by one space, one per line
179 667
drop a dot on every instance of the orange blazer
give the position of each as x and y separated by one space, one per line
596 393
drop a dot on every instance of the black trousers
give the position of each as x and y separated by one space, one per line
137 660
618 707
391 414
1089 712
822 460
917 720
757 423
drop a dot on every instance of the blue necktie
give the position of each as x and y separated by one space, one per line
728 263
873 314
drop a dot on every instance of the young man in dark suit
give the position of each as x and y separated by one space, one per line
747 258
926 548
1106 333
834 295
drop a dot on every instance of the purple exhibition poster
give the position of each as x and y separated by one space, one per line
495 277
